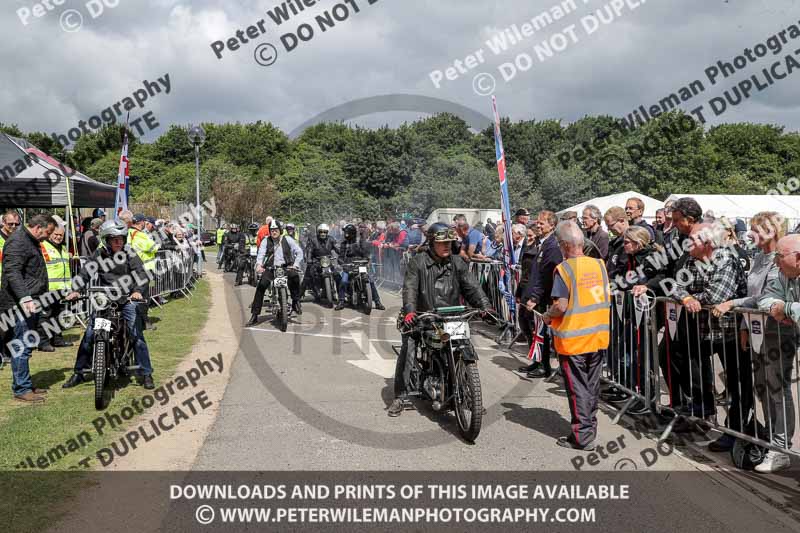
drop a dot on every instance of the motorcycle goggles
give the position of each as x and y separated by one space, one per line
445 235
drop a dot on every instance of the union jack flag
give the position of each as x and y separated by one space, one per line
535 353
121 200
508 255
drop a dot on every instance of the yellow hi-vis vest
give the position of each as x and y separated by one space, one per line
220 235
58 271
584 328
144 246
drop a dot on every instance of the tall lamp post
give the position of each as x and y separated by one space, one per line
197 136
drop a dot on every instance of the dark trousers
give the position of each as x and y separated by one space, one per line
293 279
690 367
48 314
525 321
739 382
582 382
402 372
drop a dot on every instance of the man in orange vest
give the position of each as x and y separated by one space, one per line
579 318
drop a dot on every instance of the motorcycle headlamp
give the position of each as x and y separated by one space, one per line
325 262
279 272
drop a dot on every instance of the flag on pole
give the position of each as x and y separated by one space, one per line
121 200
508 247
535 353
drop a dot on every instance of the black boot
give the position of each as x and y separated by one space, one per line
379 306
147 382
296 307
340 305
74 380
59 342
46 347
253 321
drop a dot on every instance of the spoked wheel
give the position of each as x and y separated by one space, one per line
367 297
469 411
329 291
283 312
99 369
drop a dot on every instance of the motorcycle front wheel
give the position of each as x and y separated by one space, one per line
366 289
329 291
283 314
469 410
99 369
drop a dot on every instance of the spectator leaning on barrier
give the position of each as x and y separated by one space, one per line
537 293
489 229
59 277
711 276
579 318
773 358
642 272
471 241
10 225
617 223
594 232
495 249
634 209
782 300
24 278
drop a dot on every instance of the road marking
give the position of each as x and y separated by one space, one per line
324 335
350 321
374 362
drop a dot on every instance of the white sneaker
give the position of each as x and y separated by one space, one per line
773 462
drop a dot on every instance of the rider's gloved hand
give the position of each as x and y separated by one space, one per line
410 319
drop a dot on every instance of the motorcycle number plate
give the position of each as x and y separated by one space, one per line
362 270
280 282
457 330
102 324
253 251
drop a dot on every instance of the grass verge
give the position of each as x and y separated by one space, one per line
33 430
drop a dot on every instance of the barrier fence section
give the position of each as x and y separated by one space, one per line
389 266
736 372
175 272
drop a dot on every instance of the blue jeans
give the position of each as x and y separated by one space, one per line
20 369
344 286
84 359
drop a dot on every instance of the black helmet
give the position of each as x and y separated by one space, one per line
440 232
350 231
253 227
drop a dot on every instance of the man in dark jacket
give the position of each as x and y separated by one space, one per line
116 265
592 219
24 280
634 209
352 247
435 278
537 294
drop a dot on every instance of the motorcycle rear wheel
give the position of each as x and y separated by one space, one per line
469 413
367 297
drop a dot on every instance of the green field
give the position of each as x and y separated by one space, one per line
32 430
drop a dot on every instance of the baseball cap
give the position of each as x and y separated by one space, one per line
138 217
151 220
97 213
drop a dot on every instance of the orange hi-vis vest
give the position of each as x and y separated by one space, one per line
585 326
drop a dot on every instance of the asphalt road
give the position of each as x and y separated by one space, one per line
314 398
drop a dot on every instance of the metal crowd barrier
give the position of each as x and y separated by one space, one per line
389 266
175 272
499 285
675 362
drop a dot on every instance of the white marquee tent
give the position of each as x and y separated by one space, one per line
744 206
605 202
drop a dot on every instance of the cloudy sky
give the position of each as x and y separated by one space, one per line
55 77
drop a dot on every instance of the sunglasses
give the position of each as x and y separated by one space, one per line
13 224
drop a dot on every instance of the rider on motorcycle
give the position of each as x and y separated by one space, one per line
112 248
233 238
277 251
352 248
291 231
434 278
322 246
246 240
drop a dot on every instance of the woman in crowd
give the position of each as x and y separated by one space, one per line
772 364
494 250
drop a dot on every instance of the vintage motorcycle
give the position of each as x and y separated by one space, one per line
445 366
323 278
112 350
360 290
249 266
231 254
276 299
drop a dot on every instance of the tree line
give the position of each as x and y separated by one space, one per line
334 170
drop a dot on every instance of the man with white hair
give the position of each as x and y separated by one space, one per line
579 317
712 275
